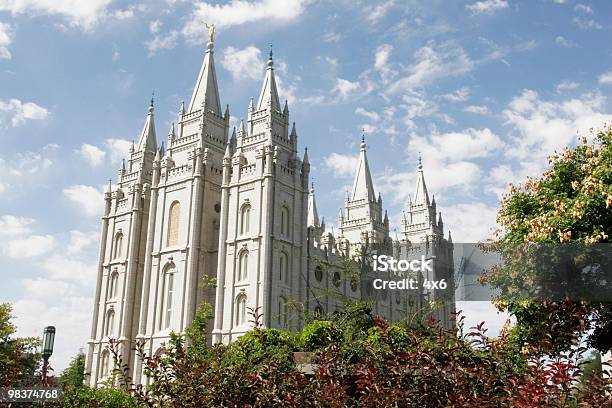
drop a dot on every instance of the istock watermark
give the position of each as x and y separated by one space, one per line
384 263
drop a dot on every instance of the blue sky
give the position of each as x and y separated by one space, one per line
485 90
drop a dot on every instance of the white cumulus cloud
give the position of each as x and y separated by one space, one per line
81 13
606 78
34 245
21 112
93 154
238 12
6 37
88 199
487 6
245 63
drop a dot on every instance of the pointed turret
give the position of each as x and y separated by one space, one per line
420 193
286 108
362 186
228 151
269 93
305 160
313 214
241 130
206 90
148 141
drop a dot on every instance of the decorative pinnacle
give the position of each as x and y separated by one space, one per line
152 101
420 166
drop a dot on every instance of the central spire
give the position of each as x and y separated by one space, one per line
206 89
313 214
420 193
148 141
269 93
362 186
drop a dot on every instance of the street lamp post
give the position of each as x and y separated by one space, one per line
47 350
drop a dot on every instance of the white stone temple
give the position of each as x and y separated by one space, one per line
237 206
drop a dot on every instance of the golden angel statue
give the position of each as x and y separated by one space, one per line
211 32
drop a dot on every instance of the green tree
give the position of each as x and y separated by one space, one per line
19 359
74 374
568 206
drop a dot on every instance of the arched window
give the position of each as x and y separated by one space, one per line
318 273
282 312
283 267
241 310
245 219
167 295
285 221
112 290
174 216
118 245
110 323
104 364
243 266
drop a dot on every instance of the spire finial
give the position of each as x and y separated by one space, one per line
420 166
152 100
270 61
363 143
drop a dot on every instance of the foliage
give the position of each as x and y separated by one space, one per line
568 206
19 359
82 396
74 374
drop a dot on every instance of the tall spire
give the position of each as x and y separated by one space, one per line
148 141
362 186
420 193
269 93
206 89
313 214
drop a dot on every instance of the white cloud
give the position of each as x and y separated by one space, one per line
81 240
564 42
585 23
545 126
34 245
21 112
162 42
28 163
118 148
331 37
155 26
487 6
11 225
83 14
238 12
342 165
89 199
381 60
69 269
5 40
460 95
345 89
93 154
567 86
605 78
367 114
477 109
455 146
583 8
433 62
377 12
470 222
243 63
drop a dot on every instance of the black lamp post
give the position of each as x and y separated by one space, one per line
47 350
